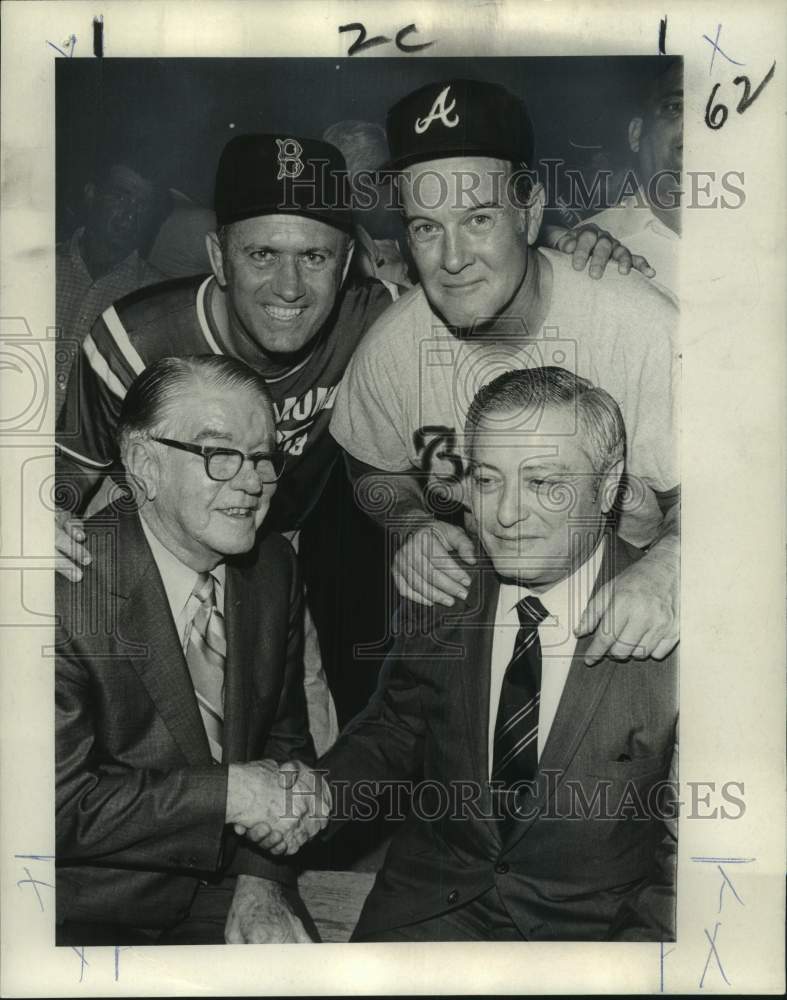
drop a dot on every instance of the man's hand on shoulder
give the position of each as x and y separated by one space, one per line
636 614
71 555
261 914
588 242
427 568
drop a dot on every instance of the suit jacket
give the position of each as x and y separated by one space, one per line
564 873
140 801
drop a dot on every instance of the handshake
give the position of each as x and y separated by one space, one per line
277 806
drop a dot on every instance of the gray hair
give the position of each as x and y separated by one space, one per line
533 389
151 396
363 144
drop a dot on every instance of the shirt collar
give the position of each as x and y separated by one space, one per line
178 578
566 599
367 243
75 252
636 215
75 242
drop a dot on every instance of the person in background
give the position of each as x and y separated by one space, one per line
101 261
179 249
648 221
378 228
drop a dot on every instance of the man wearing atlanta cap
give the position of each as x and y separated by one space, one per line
490 302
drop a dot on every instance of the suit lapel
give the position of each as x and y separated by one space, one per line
256 603
475 632
241 624
585 687
144 617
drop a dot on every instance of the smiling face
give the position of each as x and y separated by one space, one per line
468 241
538 500
202 521
281 274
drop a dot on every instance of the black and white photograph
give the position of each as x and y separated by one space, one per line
370 380
549 349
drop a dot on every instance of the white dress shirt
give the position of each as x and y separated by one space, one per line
179 581
565 601
634 224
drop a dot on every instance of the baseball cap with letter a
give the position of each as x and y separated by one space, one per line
459 118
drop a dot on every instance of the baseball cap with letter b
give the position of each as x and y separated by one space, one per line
270 174
459 118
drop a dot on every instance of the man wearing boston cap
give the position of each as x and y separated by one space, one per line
276 300
490 302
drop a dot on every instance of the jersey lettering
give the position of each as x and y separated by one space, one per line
307 406
297 446
303 408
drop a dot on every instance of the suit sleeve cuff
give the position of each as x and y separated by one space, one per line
248 860
202 847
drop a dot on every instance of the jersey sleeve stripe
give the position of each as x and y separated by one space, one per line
203 319
101 368
121 338
82 459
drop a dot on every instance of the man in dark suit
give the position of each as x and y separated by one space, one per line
538 807
179 667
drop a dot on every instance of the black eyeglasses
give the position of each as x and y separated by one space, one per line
222 464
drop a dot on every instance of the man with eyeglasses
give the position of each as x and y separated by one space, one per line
179 679
278 301
222 464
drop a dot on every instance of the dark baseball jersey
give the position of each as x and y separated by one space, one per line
172 319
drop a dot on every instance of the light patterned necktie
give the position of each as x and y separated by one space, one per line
206 655
515 755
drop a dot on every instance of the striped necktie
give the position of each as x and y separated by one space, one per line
206 654
515 755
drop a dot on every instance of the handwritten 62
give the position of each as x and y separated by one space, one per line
716 114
